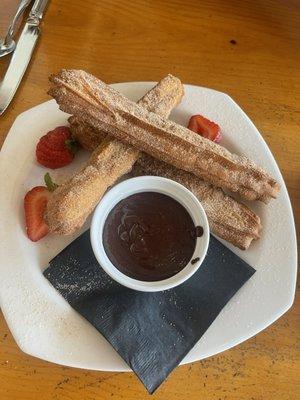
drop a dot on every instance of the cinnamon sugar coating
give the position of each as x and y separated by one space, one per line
73 201
102 107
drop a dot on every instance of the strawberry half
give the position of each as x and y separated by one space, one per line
205 128
56 149
35 203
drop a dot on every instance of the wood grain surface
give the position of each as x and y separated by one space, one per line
248 49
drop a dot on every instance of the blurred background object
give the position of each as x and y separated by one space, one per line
8 44
21 50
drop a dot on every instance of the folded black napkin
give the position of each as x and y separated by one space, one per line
152 332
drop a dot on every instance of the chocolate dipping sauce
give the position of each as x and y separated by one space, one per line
149 236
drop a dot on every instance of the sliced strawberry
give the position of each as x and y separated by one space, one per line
205 128
35 203
56 149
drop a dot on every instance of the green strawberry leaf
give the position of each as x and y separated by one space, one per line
51 186
71 145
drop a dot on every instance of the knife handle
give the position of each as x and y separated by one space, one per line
38 9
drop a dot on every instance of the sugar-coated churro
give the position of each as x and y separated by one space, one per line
228 219
99 105
74 200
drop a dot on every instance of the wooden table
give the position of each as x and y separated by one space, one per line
249 49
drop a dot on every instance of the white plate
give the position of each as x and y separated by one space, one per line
45 326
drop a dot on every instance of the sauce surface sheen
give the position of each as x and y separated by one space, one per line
149 236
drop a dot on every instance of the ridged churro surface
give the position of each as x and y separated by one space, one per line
228 218
73 201
94 102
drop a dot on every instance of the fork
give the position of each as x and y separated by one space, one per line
7 45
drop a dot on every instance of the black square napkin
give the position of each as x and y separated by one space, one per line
152 332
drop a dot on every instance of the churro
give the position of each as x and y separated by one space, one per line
228 219
88 98
73 201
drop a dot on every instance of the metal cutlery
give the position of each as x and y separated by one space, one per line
7 45
22 54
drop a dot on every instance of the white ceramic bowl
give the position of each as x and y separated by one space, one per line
149 184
